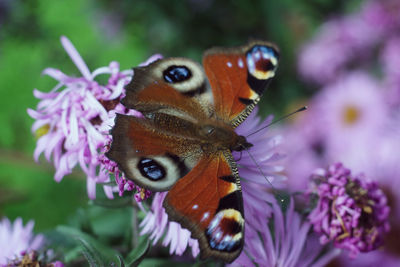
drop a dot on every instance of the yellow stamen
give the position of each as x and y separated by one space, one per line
42 131
351 115
346 233
142 193
367 209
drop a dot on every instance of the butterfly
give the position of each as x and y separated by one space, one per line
183 143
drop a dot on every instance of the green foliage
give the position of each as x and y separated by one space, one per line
96 253
28 190
139 252
88 242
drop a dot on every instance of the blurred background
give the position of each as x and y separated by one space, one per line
319 39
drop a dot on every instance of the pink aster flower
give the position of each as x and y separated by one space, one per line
390 59
285 241
351 38
266 152
371 259
74 119
353 114
255 189
351 212
15 238
156 224
337 43
346 121
382 15
305 146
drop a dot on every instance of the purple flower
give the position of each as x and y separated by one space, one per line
337 43
353 114
156 224
351 212
255 189
15 238
382 15
345 121
73 122
285 241
371 259
267 154
390 59
304 144
352 38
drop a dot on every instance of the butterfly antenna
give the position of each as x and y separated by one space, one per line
277 194
278 120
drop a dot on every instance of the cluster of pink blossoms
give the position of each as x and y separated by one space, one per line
73 121
18 245
351 212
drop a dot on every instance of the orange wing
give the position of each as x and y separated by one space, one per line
149 157
208 202
238 77
176 84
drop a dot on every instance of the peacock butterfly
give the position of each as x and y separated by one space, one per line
183 142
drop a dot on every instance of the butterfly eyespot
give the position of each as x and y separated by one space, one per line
224 232
150 169
262 61
176 74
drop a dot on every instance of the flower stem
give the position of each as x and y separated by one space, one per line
135 225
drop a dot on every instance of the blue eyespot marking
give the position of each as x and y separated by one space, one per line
151 169
176 74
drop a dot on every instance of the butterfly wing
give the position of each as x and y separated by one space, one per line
239 76
209 203
149 157
157 149
176 86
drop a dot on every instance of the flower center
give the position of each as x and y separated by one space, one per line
351 115
360 196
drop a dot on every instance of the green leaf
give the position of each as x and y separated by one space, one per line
94 251
91 254
121 261
72 254
152 262
138 253
118 202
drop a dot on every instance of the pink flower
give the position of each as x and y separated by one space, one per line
345 121
337 43
353 114
283 241
352 38
15 238
156 224
351 212
390 59
371 259
74 119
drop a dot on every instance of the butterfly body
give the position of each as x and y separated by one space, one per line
184 141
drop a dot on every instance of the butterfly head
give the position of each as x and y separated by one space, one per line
224 136
241 144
